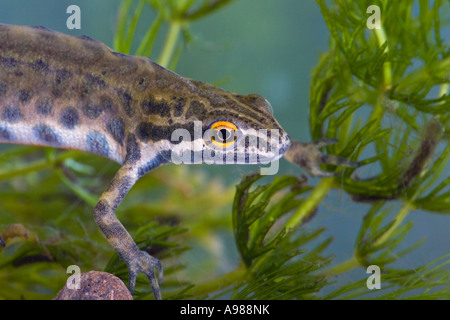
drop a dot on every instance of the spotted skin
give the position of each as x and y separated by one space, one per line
44 106
75 92
46 135
69 118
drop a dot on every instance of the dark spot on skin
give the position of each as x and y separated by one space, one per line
247 158
11 114
152 107
170 122
92 83
127 101
100 210
106 104
46 134
61 82
235 158
124 186
40 28
115 230
3 87
8 63
269 138
24 96
252 141
69 118
40 66
133 150
142 84
152 164
84 37
92 111
18 74
178 106
112 185
118 54
166 156
117 129
5 135
44 106
107 230
196 109
97 144
148 131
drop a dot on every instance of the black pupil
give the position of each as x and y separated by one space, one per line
224 135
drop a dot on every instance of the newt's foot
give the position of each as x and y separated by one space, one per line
307 156
142 262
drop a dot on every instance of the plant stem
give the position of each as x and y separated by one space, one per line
132 27
169 45
387 71
78 190
377 113
37 165
119 39
316 196
401 215
343 266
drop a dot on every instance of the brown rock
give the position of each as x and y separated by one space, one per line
96 285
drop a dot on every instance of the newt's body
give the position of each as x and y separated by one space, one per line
76 93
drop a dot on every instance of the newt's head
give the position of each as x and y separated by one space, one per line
224 128
220 127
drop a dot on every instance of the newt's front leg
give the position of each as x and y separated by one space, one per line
308 157
137 261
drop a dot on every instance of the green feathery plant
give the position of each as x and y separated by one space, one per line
397 74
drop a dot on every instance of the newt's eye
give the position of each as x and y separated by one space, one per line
223 134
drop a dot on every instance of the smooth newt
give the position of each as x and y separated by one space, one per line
76 93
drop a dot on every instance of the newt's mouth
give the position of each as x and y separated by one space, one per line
277 153
285 145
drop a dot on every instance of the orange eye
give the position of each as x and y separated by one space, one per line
223 134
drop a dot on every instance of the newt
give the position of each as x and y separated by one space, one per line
76 93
